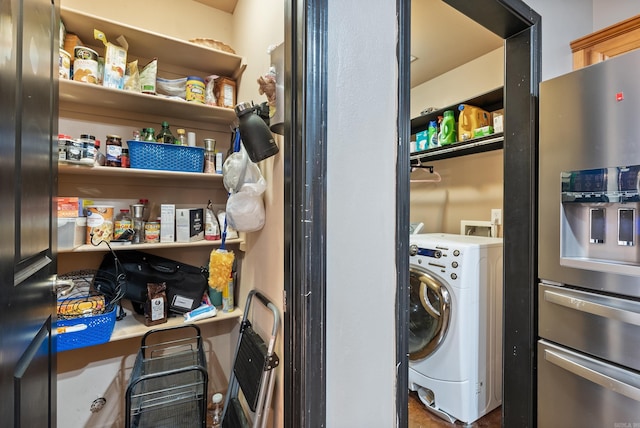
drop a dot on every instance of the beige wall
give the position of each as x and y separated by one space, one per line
470 186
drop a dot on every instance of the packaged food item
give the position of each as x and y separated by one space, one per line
114 150
195 89
132 77
148 77
85 65
209 90
156 307
152 231
172 87
122 222
115 60
99 223
225 92
211 226
64 65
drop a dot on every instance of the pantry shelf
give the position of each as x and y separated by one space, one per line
476 145
78 96
149 246
148 44
133 325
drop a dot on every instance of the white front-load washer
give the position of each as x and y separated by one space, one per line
455 326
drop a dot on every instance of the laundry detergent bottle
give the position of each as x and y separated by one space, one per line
432 135
469 119
447 133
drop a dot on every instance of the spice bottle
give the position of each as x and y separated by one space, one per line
114 150
182 138
165 136
124 158
209 156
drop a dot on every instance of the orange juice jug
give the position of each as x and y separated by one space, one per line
470 118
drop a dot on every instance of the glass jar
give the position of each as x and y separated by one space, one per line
114 150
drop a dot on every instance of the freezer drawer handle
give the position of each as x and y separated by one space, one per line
593 308
591 375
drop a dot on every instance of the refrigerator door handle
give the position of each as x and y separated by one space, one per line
590 307
565 362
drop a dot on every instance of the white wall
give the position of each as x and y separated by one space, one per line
567 20
361 213
476 77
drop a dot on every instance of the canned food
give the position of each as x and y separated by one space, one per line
85 65
195 89
152 231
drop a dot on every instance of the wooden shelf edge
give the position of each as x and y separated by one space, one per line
476 145
150 246
105 171
133 326
86 94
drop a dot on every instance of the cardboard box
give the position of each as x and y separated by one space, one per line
189 224
482 131
68 207
115 61
498 120
167 223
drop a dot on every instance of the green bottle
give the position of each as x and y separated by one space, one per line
165 136
447 133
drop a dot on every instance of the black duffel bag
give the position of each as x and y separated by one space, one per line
186 284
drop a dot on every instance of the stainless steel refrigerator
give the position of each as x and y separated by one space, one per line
588 353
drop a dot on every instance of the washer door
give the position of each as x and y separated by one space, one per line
430 307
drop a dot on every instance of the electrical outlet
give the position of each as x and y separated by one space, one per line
496 216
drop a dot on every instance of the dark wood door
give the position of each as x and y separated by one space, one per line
28 106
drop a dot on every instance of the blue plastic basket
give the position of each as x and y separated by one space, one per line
165 157
98 330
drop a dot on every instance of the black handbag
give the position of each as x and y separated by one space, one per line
186 284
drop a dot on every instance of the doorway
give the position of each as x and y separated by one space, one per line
305 253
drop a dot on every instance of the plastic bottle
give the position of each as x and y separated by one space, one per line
182 138
432 135
100 157
447 133
211 226
148 135
217 410
165 136
209 156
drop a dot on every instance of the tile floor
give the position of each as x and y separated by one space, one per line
419 417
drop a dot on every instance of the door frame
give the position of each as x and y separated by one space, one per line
305 190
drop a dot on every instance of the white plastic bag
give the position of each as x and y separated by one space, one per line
245 183
245 211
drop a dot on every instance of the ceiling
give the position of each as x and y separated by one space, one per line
442 39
